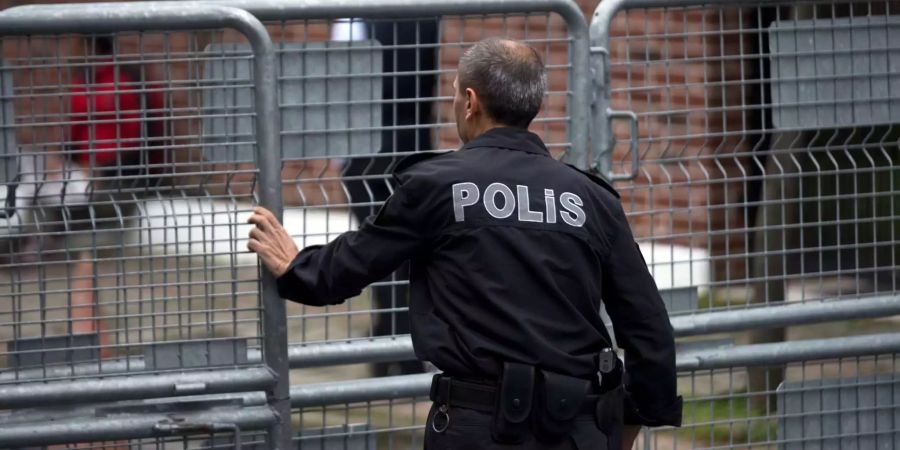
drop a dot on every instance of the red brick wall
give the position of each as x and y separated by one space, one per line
683 168
686 77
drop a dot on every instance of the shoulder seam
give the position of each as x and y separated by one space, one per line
413 159
597 180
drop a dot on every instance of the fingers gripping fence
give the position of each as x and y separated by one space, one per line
99 152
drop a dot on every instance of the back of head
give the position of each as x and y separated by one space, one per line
509 78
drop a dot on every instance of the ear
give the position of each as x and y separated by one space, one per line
473 104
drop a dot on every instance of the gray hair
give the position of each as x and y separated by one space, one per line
509 78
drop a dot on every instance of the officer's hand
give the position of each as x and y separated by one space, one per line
269 240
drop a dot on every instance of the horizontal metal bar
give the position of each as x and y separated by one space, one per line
644 4
334 9
169 404
272 10
132 426
390 349
786 315
400 348
29 395
355 391
406 386
113 17
791 351
386 349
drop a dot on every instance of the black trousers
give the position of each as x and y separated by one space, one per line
470 430
367 179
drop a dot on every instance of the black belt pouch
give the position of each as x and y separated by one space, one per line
610 416
558 402
513 404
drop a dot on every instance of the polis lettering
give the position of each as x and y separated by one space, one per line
501 202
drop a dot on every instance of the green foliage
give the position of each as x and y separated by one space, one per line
726 421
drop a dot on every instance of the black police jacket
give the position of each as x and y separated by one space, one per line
511 254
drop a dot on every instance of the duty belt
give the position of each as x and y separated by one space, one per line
479 396
528 400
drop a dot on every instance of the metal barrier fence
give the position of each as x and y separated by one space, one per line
354 87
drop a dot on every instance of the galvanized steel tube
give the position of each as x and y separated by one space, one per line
320 394
27 395
400 348
132 426
785 315
407 386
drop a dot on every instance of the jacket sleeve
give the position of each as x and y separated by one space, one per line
330 274
641 325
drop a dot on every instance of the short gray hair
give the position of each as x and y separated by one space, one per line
509 78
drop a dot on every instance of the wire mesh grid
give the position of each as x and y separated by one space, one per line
230 440
836 403
768 152
394 424
125 241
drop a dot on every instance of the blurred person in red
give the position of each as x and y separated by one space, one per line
115 115
116 129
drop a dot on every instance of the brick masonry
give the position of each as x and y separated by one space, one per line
674 73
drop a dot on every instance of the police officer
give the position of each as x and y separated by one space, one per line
511 252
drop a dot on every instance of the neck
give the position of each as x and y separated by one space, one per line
484 128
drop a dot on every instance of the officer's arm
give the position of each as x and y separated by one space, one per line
327 275
642 328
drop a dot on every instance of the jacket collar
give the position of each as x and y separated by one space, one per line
509 138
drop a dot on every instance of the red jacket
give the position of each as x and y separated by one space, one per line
103 127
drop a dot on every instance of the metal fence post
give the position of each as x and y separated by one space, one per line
602 138
268 121
268 160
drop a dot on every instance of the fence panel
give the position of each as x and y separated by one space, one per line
124 272
766 144
760 166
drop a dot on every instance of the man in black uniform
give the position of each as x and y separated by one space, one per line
511 252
